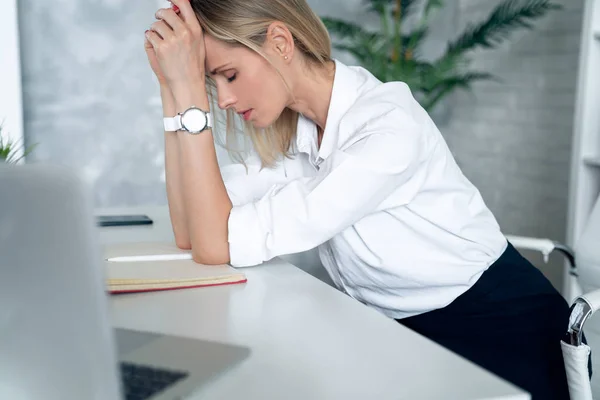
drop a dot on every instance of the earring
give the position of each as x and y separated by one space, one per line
285 58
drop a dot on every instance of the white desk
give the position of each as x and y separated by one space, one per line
308 340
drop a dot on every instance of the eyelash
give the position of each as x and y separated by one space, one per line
232 78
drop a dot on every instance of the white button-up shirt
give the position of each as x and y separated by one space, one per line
397 225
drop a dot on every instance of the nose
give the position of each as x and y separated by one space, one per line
226 99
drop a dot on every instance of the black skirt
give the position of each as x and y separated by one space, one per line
510 323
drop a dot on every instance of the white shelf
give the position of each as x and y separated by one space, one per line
585 167
10 75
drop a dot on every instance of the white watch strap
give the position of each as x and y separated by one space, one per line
172 124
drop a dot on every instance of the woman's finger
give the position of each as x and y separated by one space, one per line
147 43
186 12
163 29
153 38
171 18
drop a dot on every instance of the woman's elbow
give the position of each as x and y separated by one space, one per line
210 257
183 244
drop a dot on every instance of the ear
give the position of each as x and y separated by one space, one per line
280 41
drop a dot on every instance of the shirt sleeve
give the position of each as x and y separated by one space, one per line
352 183
250 182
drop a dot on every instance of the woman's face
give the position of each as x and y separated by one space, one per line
246 82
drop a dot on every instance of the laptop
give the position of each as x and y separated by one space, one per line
56 339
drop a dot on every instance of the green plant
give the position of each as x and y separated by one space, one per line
9 149
392 53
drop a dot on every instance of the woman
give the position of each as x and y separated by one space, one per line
397 225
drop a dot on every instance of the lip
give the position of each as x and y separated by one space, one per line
246 114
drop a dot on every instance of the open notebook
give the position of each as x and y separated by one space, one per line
156 271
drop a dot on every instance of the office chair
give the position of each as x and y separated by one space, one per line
584 271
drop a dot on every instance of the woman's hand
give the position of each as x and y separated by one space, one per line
178 44
151 54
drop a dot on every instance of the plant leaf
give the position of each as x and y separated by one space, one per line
378 6
343 29
504 19
394 55
412 42
432 5
9 148
359 53
446 86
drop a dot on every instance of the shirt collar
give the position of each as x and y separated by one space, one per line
345 91
343 95
306 136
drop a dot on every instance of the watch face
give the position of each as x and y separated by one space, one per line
194 120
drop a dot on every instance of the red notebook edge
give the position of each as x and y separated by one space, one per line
117 292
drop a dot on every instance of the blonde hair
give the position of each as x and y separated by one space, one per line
245 22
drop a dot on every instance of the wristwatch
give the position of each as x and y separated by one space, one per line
193 120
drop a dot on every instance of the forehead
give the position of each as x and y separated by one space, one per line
219 53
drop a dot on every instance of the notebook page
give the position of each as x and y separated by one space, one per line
141 250
168 270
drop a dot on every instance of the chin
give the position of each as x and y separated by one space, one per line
264 123
261 124
264 119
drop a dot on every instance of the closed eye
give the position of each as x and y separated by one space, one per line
232 78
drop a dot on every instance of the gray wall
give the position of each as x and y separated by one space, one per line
90 101
513 139
90 97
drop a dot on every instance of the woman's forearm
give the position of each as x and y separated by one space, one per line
205 197
173 175
198 201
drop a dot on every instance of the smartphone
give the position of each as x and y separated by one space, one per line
122 220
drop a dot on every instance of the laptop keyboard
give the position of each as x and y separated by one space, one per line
142 382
